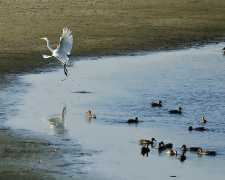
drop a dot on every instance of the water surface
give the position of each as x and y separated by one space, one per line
120 88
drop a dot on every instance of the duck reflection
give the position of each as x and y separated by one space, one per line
144 154
145 150
57 123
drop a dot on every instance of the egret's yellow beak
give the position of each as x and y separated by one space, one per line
41 38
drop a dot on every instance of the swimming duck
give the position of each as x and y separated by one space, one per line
169 145
143 141
90 115
161 146
190 148
164 146
197 128
171 152
145 149
207 152
203 120
133 120
156 104
176 111
182 157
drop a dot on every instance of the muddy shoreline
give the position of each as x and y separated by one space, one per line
31 158
23 158
103 27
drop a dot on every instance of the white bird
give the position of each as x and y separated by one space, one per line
63 49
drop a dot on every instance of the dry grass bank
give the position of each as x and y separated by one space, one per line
103 27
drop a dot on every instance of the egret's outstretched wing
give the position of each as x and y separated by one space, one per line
46 56
65 45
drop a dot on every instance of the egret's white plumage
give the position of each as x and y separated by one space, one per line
63 49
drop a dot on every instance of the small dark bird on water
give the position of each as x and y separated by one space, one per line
197 128
161 146
144 141
182 157
169 145
164 146
176 111
207 152
190 148
156 104
133 120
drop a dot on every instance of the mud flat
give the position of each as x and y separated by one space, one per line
30 158
106 27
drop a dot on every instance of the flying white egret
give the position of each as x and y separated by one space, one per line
63 49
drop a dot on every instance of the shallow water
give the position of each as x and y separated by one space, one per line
120 88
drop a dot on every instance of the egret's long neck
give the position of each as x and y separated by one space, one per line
49 46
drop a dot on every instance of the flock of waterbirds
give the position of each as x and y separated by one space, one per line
145 143
161 146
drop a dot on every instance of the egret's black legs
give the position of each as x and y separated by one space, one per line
65 70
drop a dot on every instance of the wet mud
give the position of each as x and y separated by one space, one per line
29 158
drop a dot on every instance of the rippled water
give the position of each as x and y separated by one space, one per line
120 88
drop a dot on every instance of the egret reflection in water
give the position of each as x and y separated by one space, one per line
57 123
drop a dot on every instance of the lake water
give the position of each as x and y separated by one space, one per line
47 105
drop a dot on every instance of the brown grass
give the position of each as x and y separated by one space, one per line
103 27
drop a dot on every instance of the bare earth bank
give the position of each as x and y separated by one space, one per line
103 27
